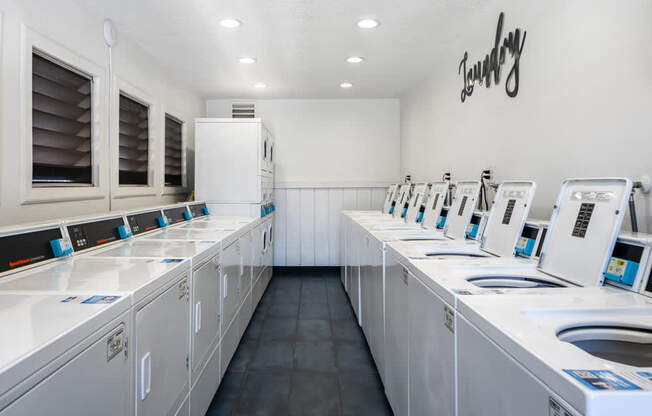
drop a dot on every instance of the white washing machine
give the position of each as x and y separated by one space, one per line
501 235
425 289
585 354
159 313
55 356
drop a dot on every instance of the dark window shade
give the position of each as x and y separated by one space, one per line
173 151
134 142
61 123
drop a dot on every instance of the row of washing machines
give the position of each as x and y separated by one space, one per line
489 313
135 313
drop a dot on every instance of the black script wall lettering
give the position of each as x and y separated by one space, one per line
481 71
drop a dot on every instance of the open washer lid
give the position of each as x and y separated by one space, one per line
460 212
435 203
583 229
507 217
416 200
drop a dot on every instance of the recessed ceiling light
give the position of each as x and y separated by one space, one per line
247 60
260 85
368 23
346 85
354 59
230 23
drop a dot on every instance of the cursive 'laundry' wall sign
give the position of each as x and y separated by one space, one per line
481 72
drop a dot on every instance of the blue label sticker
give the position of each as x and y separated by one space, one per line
171 260
602 380
645 374
98 299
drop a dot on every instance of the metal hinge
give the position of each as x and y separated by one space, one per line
126 347
405 276
449 318
187 362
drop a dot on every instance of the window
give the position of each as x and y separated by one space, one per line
134 142
61 123
173 151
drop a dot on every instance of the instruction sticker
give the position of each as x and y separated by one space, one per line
602 380
97 299
171 260
646 375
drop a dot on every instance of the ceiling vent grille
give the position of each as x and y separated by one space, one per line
243 110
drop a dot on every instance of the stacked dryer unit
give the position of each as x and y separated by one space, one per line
234 171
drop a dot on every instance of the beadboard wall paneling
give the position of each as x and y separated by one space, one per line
307 222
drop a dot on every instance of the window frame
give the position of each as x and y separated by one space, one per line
121 87
183 188
32 42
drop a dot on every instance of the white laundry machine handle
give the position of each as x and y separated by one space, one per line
145 375
197 317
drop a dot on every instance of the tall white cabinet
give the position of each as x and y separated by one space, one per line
234 166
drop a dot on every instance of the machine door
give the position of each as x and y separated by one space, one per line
231 258
162 329
205 311
396 336
432 352
97 379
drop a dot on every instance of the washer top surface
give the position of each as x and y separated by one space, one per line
421 235
37 328
176 233
160 248
132 277
545 334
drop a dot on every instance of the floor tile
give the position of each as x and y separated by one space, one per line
354 358
255 328
314 394
265 394
313 311
283 310
225 400
315 356
314 330
362 394
341 311
273 355
347 331
279 329
243 356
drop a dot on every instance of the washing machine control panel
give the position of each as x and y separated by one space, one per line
626 265
198 210
175 215
525 245
95 233
28 248
143 222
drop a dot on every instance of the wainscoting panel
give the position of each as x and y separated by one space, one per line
307 222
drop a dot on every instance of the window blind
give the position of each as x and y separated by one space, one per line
134 142
61 123
173 151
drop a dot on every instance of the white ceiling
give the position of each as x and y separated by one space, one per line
301 45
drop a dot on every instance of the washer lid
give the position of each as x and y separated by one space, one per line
435 203
583 229
460 212
507 217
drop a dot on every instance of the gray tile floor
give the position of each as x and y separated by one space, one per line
303 354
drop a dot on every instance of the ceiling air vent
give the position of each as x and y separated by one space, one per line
243 110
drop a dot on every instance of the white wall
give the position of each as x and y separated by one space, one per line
72 29
330 155
584 107
329 142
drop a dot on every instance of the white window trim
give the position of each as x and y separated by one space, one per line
29 194
120 86
170 190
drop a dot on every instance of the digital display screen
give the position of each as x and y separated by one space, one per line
146 221
530 232
627 252
175 215
21 250
93 234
